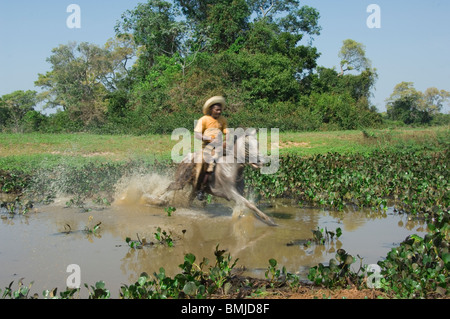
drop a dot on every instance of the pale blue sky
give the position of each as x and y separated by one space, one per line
413 43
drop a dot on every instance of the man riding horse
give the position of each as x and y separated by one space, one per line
227 181
210 129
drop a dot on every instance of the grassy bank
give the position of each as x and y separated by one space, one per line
26 152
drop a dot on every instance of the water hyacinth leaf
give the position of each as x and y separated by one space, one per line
341 255
100 284
317 235
442 278
333 263
190 288
349 260
144 274
190 258
417 238
142 280
201 290
446 259
272 262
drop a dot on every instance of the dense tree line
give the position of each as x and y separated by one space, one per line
168 58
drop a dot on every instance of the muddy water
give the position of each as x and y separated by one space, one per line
40 245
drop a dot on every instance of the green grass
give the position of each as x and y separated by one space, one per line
28 151
86 145
312 143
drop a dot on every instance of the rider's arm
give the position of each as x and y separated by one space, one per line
199 129
201 137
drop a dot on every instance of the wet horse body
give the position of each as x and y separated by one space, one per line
227 181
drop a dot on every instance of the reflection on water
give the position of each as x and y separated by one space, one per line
41 245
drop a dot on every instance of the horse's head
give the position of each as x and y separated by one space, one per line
246 148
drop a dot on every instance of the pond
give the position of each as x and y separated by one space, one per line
40 245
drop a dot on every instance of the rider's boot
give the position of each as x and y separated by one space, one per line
201 196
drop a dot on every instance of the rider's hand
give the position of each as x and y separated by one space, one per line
208 139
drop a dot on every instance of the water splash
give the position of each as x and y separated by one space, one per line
134 189
149 189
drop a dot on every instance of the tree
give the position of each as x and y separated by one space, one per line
81 76
434 100
359 86
222 22
18 104
226 21
278 28
269 8
353 56
411 106
196 11
299 21
155 28
403 104
191 45
251 51
4 114
120 51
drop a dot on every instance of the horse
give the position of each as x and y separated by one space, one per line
227 180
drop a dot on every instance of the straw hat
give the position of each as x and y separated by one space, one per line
214 100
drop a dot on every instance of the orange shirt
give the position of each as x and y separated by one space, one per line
208 123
